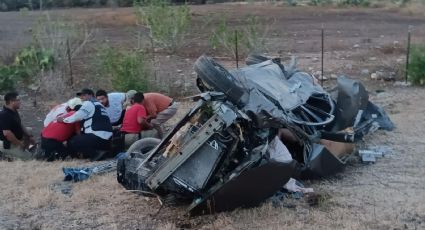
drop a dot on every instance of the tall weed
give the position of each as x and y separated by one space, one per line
416 71
126 69
167 24
250 38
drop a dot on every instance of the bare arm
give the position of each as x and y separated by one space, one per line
12 138
142 121
78 116
83 113
28 137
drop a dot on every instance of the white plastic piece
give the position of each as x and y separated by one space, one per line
278 151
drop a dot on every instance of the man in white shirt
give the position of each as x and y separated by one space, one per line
94 141
113 103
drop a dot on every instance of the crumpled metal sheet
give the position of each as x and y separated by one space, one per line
379 115
268 79
248 189
321 163
262 108
352 97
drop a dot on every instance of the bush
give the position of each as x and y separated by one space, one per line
13 5
167 24
292 2
127 70
28 63
224 37
320 2
251 38
7 78
355 2
416 71
32 60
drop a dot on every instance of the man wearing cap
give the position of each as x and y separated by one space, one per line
94 141
56 133
160 108
14 138
61 109
130 95
114 105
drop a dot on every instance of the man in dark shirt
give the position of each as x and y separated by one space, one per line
14 138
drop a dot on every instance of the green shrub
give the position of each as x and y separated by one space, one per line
13 5
32 60
28 63
404 2
363 3
167 24
126 69
251 38
253 35
320 2
416 71
292 2
7 78
224 37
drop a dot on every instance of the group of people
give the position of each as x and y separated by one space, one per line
85 125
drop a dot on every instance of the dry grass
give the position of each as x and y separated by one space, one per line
29 197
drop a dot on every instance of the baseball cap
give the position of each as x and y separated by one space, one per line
74 102
130 94
85 91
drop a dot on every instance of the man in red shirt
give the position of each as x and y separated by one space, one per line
134 120
160 109
55 134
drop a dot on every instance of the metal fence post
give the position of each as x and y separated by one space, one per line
323 41
236 49
406 72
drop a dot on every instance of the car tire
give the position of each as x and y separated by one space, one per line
217 78
143 146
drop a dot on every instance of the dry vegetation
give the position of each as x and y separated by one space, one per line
387 195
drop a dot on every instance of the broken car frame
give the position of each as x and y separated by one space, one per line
218 156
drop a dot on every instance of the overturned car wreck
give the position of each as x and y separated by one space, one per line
250 131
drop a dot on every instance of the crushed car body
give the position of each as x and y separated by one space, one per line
250 131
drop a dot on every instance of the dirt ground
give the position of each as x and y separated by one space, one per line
385 195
